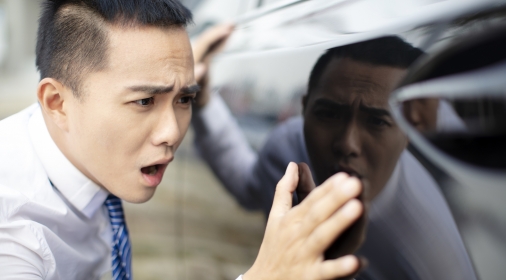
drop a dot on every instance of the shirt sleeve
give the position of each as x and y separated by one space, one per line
284 144
249 176
221 143
239 278
23 254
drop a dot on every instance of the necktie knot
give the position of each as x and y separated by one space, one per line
121 249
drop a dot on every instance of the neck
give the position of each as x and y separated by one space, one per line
63 142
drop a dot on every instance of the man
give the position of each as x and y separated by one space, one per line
347 127
117 82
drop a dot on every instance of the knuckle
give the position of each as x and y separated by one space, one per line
314 218
317 239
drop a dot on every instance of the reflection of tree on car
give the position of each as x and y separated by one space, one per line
347 127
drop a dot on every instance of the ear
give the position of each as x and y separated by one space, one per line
304 102
53 99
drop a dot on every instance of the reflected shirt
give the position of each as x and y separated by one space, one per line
411 233
46 232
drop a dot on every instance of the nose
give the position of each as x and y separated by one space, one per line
347 143
167 131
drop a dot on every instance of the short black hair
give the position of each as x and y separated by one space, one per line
72 39
384 51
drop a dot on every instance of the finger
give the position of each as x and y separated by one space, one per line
306 183
205 42
200 71
343 266
318 193
350 240
283 196
340 193
363 263
326 233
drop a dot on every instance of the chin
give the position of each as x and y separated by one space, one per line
138 197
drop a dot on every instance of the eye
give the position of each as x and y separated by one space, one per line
145 101
377 121
186 99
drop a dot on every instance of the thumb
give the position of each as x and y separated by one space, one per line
306 183
283 196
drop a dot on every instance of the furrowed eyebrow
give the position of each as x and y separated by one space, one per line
152 89
370 110
190 89
331 104
375 111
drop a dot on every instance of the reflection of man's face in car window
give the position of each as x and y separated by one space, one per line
348 126
422 113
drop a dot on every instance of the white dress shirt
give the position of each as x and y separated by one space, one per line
46 232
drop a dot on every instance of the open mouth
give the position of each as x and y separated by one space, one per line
150 170
349 171
153 174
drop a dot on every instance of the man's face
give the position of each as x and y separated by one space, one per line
134 114
348 126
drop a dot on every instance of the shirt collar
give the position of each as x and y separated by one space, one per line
79 190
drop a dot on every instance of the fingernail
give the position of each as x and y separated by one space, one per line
290 165
349 262
351 208
339 179
350 187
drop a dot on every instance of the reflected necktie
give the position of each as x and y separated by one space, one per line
121 250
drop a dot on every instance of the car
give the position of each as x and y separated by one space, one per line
3 36
453 107
264 68
263 74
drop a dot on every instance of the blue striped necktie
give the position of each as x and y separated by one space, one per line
121 250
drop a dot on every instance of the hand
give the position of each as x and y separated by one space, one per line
296 238
352 238
306 183
205 47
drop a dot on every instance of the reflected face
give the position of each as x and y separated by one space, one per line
348 126
134 114
422 113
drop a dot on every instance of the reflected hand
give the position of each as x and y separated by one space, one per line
352 238
205 47
306 183
296 238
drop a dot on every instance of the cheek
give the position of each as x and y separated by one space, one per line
383 153
109 137
318 139
183 117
